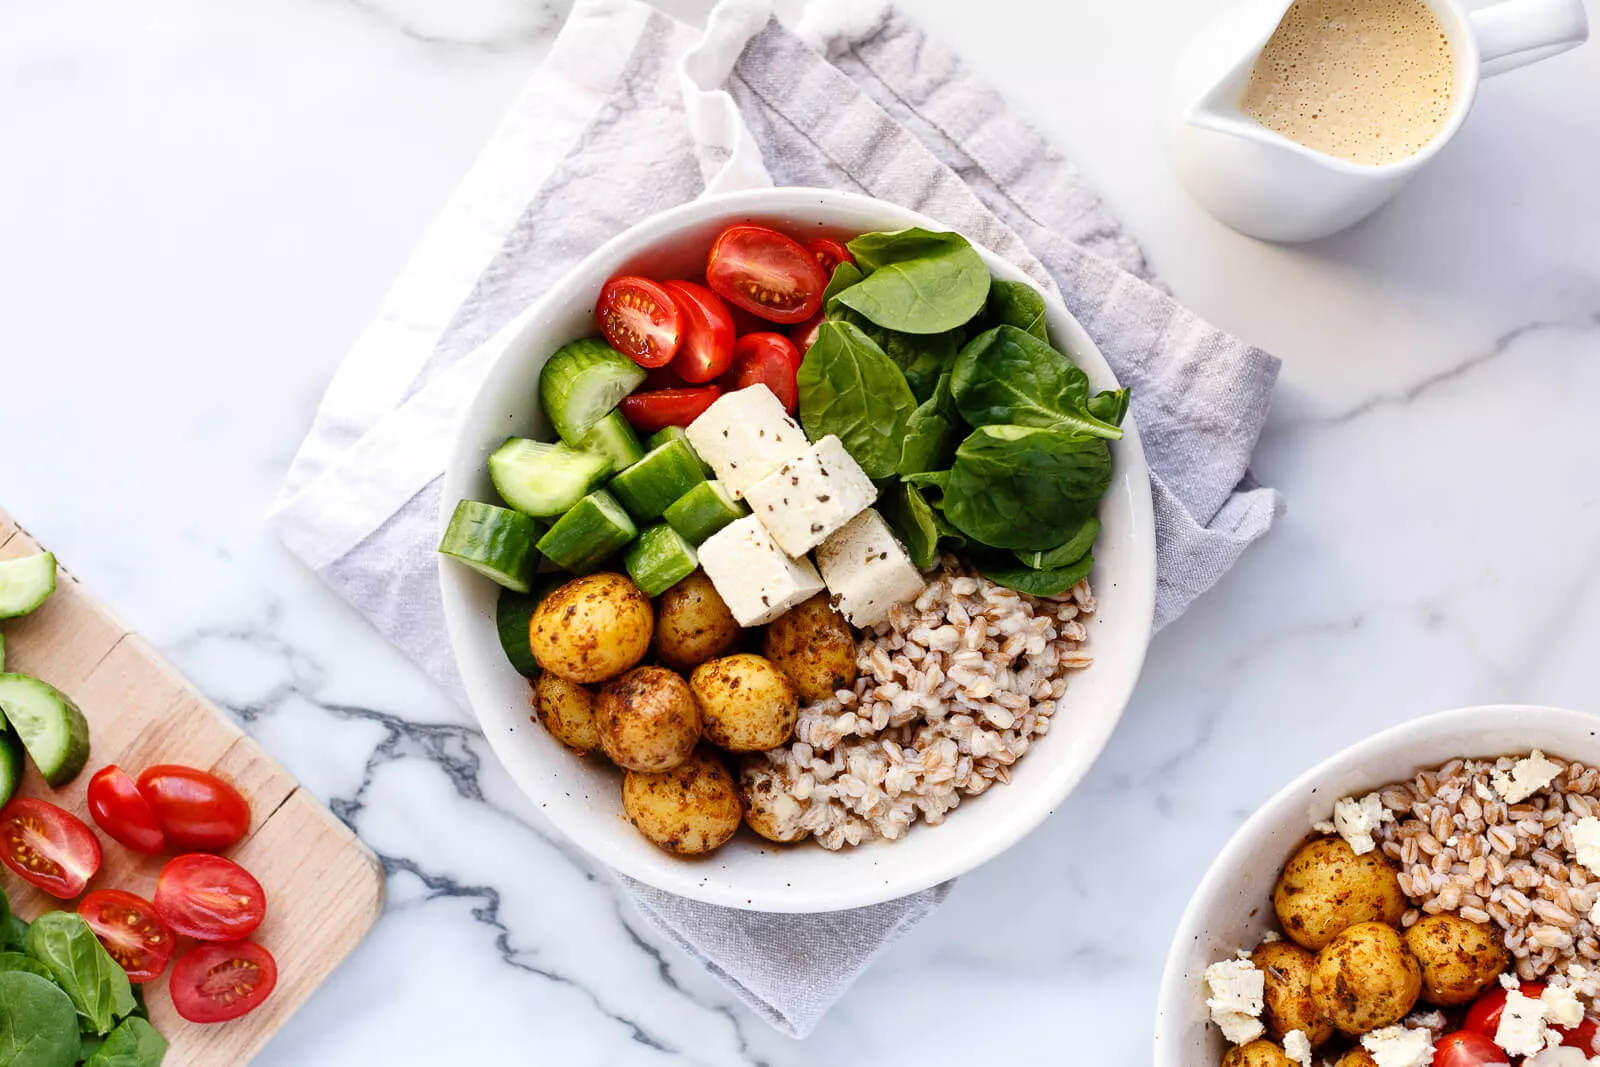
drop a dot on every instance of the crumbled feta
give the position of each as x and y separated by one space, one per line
1237 989
755 577
1395 1046
1586 842
1561 1006
808 498
745 436
867 570
1559 1057
1426 1020
1522 1031
1297 1046
1356 819
1270 936
1509 980
1528 775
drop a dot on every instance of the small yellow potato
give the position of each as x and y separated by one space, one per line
591 629
1357 1057
769 810
1258 1053
1286 970
1459 959
690 809
567 710
648 720
1366 978
814 646
693 624
746 704
1326 887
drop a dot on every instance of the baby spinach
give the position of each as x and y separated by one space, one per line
1052 582
849 388
1110 406
18 961
12 929
931 432
133 1044
1068 551
908 512
1023 487
844 276
38 1026
917 281
1009 377
80 965
1015 304
947 532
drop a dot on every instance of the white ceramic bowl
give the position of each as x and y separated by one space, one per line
1232 908
582 796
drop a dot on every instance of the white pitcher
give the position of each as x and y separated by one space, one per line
1263 184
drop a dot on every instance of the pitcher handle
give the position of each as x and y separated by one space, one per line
1514 33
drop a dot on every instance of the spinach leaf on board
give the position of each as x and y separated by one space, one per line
908 512
141 1010
38 1026
844 276
1015 304
18 961
133 1044
80 965
1110 406
917 281
931 432
1008 377
1068 551
848 387
1053 582
1022 487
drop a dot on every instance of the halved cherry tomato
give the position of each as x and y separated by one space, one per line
48 847
805 334
640 319
1484 1015
769 359
123 813
210 898
215 983
661 378
766 273
131 931
197 810
829 253
649 412
1465 1048
707 332
1582 1037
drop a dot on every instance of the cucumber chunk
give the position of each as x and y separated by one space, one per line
659 559
674 433
495 542
512 614
26 583
665 473
585 536
10 769
543 479
51 727
613 438
703 510
582 383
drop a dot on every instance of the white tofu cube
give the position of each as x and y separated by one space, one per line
745 436
867 570
808 498
756 579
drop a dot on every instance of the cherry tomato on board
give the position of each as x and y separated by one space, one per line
47 847
209 898
640 319
122 812
805 334
1465 1048
766 273
215 983
707 343
829 253
649 412
131 931
197 810
1484 1015
769 359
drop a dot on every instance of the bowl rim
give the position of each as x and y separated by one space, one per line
1136 587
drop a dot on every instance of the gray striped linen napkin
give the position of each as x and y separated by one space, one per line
633 112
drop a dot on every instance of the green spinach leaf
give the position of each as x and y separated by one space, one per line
917 281
1022 487
38 1026
931 432
1008 377
133 1044
80 965
947 532
13 933
844 276
1110 406
1068 551
18 961
1016 304
1038 583
938 481
922 358
848 387
908 512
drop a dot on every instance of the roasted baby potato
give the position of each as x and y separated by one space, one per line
1286 969
648 720
592 628
1357 1057
1258 1053
1458 958
1326 887
814 647
1366 978
693 624
768 809
746 704
567 710
692 808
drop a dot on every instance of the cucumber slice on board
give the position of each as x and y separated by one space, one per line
703 510
613 438
543 479
512 614
584 537
582 383
10 768
496 542
25 583
51 727
662 476
659 559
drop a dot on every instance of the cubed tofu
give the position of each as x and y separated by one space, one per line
755 577
808 498
745 436
867 570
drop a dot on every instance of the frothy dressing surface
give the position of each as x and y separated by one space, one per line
1370 81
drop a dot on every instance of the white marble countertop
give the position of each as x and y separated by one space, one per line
201 205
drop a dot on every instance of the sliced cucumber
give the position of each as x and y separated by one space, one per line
10 769
665 473
585 536
703 510
1069 551
659 559
582 383
51 727
26 583
543 479
674 433
613 438
495 542
511 616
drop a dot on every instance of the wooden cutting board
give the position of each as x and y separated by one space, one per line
324 887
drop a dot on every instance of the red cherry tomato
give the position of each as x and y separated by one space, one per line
707 332
1484 1015
1582 1037
766 273
805 334
123 813
209 898
131 931
1465 1048
661 378
649 412
829 253
640 319
196 810
47 847
770 359
215 983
